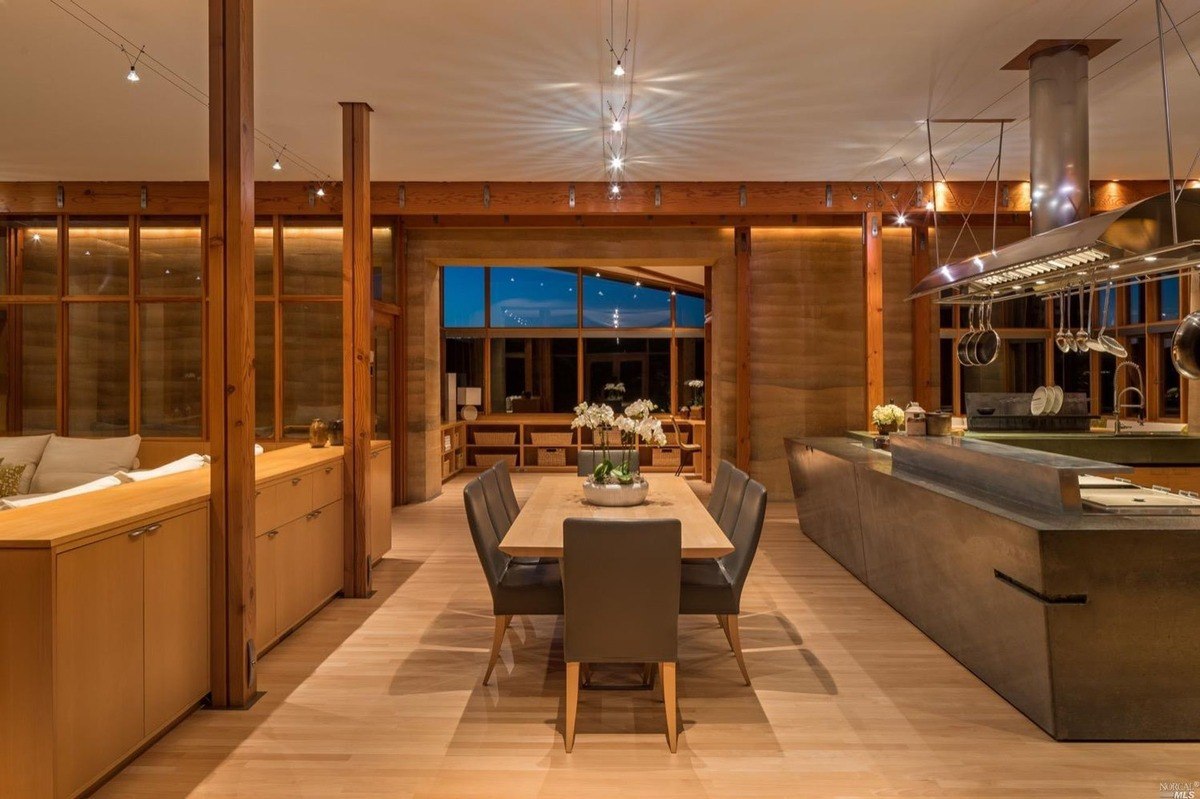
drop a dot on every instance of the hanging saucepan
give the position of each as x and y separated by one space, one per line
986 346
1185 346
964 343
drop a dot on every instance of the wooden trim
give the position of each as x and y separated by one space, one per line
873 298
230 386
741 252
709 382
356 343
922 323
400 368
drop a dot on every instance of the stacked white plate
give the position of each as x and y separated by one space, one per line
1047 401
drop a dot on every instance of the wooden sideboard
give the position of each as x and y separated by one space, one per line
537 442
105 614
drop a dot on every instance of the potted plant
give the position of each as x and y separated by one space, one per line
697 387
887 418
618 484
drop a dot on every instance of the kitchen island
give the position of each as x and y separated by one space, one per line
1087 622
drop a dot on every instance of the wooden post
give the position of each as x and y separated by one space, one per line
873 297
356 340
230 340
741 252
922 323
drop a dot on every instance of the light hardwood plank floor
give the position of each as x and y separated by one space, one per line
382 698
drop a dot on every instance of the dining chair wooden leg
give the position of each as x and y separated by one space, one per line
667 674
735 643
497 639
572 705
724 622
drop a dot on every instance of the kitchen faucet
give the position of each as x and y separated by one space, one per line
1119 392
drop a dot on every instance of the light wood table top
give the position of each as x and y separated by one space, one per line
538 530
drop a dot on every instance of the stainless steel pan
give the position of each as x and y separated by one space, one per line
1185 346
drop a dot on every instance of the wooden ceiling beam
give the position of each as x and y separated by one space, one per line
543 204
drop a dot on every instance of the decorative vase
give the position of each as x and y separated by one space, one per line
685 412
698 412
335 432
616 495
318 433
887 429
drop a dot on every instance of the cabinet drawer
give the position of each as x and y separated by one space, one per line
293 498
329 545
327 484
264 589
266 509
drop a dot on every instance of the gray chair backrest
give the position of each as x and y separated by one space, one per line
746 534
495 503
506 489
590 458
716 500
493 561
621 590
733 500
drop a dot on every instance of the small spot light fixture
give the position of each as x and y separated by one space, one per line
132 76
278 165
616 162
614 191
616 126
37 236
320 191
618 70
929 205
901 219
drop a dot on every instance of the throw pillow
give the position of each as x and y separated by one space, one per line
10 479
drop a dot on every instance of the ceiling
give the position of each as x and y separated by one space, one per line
485 90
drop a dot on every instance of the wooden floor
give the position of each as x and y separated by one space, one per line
382 698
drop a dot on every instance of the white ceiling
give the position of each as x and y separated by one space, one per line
486 90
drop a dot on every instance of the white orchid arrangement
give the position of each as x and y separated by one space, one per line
885 415
637 423
697 387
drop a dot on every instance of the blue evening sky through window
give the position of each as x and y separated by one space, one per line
689 310
525 296
615 304
462 296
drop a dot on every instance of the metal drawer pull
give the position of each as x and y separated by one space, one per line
141 531
313 515
328 469
258 493
295 481
272 533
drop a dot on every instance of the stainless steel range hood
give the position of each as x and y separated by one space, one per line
1121 246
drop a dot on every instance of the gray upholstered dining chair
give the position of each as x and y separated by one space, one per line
734 493
715 586
506 489
621 583
494 499
518 589
720 487
590 458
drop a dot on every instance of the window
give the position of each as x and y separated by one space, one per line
312 258
312 365
1137 304
618 304
689 366
462 296
534 297
34 254
383 264
689 310
264 369
381 378
28 378
1170 386
464 360
98 369
643 365
264 257
1168 298
98 256
172 390
540 374
170 258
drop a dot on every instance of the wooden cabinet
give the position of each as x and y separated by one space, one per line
379 500
99 677
105 645
176 617
299 559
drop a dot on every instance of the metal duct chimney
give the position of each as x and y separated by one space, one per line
1058 136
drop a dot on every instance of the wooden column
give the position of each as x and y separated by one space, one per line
741 252
230 340
356 340
922 323
873 297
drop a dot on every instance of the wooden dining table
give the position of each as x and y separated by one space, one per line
538 528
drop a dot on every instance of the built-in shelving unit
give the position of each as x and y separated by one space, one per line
547 443
454 448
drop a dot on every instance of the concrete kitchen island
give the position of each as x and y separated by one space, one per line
1088 622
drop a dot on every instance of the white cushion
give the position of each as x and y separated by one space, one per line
86 488
187 463
69 462
15 450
